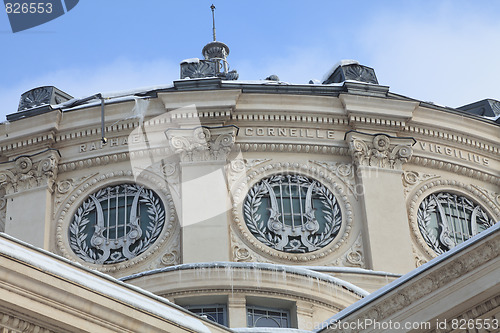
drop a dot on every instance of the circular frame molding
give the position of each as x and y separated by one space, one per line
324 176
76 197
444 185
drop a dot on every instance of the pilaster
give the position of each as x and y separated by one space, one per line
28 182
203 153
237 311
379 159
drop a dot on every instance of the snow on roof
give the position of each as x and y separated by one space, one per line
352 270
99 282
407 277
257 266
337 65
190 61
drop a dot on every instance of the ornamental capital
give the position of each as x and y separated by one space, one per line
27 172
202 143
379 150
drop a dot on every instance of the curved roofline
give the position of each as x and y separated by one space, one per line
259 266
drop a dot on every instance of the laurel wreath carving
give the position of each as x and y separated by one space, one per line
428 207
258 227
78 233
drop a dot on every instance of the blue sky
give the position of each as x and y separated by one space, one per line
446 52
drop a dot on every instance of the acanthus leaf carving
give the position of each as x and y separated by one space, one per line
380 150
27 172
202 143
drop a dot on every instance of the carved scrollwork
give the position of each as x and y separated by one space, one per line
413 178
354 257
28 172
202 143
380 150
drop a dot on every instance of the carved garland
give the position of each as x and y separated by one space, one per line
167 237
417 212
240 190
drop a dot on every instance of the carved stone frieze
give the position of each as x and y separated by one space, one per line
412 292
28 172
379 150
10 323
494 196
486 311
202 143
455 168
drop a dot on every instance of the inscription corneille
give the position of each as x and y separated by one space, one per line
291 132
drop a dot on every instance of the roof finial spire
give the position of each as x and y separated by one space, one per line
213 19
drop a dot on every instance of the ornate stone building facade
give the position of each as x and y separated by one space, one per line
249 203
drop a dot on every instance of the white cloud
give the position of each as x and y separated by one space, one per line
449 58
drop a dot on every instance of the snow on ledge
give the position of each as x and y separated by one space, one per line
257 266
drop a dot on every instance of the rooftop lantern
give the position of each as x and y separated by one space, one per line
214 64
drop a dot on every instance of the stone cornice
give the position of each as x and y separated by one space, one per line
28 143
442 135
379 150
367 106
294 118
28 172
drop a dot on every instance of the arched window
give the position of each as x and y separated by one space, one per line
446 219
